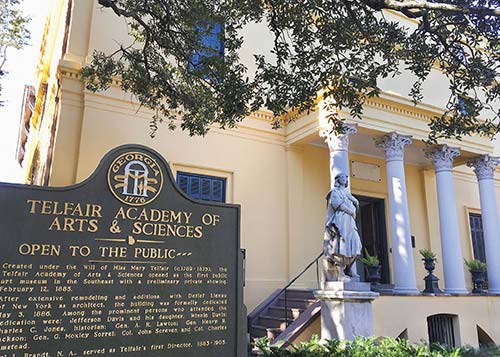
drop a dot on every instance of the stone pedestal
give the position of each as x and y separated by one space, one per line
431 285
346 310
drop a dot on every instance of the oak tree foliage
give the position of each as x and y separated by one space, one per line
13 31
339 49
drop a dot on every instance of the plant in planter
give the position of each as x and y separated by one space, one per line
427 254
372 267
477 269
431 281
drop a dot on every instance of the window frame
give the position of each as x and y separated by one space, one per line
483 251
451 320
215 171
477 212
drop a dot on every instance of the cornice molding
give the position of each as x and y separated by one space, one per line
407 112
388 102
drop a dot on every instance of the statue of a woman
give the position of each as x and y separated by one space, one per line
341 244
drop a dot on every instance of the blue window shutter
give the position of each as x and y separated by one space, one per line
218 191
202 187
206 184
212 42
182 181
194 187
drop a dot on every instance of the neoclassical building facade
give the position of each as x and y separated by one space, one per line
412 196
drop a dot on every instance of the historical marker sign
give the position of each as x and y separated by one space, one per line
120 264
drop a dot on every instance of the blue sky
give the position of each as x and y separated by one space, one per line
21 67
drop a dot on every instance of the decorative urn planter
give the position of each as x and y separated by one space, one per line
372 273
478 280
431 281
477 269
372 269
429 264
373 276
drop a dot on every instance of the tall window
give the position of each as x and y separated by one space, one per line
476 230
202 187
212 44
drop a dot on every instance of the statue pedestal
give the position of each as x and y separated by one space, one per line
346 310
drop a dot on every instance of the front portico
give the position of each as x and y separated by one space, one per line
416 184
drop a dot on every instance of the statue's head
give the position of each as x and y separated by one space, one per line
341 180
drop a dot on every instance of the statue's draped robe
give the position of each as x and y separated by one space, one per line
341 233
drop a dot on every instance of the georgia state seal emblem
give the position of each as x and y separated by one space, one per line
135 178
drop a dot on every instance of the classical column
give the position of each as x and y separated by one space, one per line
404 267
484 167
339 147
454 278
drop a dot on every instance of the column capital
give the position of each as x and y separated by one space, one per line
338 141
393 145
484 166
442 157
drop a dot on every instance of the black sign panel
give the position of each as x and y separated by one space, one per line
121 264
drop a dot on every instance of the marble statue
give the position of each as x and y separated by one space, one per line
341 244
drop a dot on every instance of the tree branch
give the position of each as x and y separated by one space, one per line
120 12
405 6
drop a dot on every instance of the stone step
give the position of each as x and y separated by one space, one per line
258 331
299 294
273 321
295 302
279 311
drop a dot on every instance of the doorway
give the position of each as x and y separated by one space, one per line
372 230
